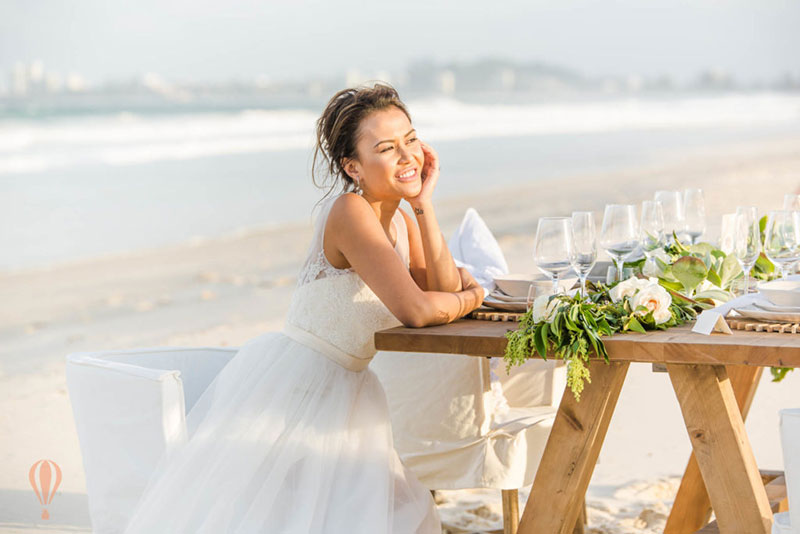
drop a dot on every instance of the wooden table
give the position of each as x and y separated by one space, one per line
714 378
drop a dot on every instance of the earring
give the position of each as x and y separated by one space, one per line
357 187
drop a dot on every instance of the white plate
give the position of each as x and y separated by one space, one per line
768 306
753 312
505 306
516 285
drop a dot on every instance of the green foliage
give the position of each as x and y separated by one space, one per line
779 373
697 277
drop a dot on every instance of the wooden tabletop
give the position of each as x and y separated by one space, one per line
676 345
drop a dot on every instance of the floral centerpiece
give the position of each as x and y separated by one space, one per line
679 282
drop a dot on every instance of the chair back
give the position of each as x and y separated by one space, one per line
129 406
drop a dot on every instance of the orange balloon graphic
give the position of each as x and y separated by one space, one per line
43 489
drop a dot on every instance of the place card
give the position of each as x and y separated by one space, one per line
714 320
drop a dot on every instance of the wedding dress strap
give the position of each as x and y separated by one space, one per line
332 352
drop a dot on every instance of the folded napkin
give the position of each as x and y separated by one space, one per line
714 319
474 247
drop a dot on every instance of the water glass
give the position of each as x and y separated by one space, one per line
619 235
782 239
694 214
554 250
651 225
791 202
747 241
672 207
585 244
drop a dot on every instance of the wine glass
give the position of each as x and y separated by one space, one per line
672 208
652 227
747 241
694 212
585 245
619 235
781 241
791 202
554 250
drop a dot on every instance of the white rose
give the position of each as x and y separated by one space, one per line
655 299
542 309
627 288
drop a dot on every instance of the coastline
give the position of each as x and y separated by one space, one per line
224 291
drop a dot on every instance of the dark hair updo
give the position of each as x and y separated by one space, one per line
338 131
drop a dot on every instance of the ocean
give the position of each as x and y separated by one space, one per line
74 187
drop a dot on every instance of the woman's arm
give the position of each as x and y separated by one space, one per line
353 230
436 261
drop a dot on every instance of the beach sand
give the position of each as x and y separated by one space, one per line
228 290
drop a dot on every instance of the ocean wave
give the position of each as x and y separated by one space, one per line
128 139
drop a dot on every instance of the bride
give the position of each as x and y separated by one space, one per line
293 435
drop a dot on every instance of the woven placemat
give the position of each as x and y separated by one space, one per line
756 326
485 314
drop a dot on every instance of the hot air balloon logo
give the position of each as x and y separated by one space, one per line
41 477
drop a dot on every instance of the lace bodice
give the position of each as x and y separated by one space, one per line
335 304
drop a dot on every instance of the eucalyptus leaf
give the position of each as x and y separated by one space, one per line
690 272
731 269
714 278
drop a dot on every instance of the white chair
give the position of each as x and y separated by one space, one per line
454 430
129 405
789 522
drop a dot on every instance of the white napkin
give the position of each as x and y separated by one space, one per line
714 319
474 247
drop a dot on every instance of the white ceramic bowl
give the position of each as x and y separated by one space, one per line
516 285
781 292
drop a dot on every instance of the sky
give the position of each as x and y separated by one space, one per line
212 40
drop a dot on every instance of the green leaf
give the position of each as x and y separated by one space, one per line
714 278
731 268
716 294
779 373
636 326
540 340
690 272
701 249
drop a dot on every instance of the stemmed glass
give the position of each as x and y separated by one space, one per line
652 228
585 244
791 202
781 241
554 250
694 211
747 241
673 213
619 235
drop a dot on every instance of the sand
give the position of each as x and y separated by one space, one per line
228 290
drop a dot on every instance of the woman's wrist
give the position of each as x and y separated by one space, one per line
421 207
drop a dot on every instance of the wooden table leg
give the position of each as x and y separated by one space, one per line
723 453
692 507
570 455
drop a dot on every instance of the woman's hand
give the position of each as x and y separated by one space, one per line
429 175
467 280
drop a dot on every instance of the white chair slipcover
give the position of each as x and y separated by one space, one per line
455 426
129 406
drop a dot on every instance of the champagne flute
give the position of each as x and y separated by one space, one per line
672 207
554 250
652 228
781 241
694 212
791 202
747 241
585 243
619 235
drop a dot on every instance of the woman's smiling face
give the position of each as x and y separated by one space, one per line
389 156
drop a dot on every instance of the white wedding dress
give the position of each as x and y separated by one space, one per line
293 435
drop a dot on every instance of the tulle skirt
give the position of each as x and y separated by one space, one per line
284 440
